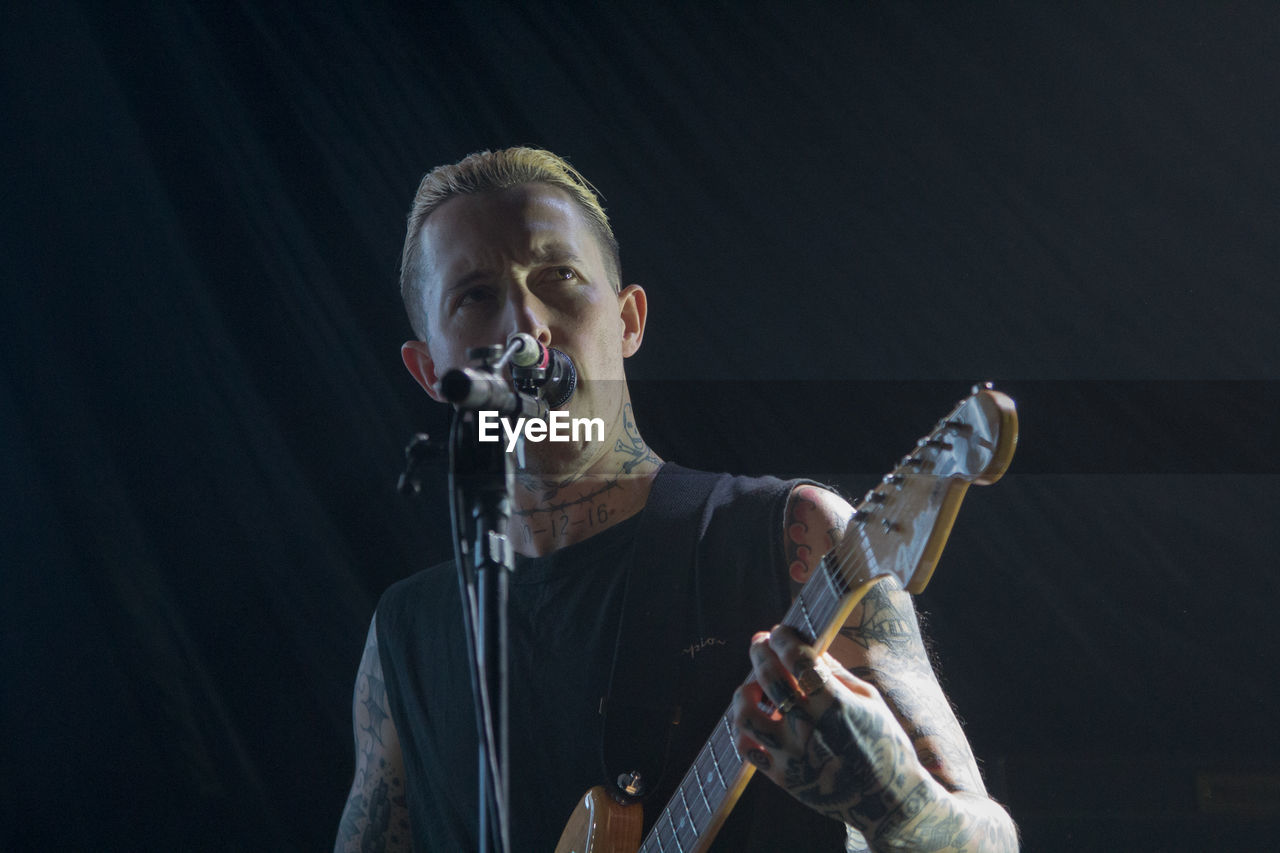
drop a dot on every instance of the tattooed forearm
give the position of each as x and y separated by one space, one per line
948 824
892 656
879 622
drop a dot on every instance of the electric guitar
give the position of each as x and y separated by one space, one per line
898 529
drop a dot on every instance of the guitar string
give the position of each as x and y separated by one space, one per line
718 742
716 738
845 568
848 565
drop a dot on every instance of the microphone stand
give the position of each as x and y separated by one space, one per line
481 475
479 484
474 498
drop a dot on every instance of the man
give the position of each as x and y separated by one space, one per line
516 241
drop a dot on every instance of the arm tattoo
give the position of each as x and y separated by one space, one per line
947 825
986 827
898 665
376 816
372 702
811 531
878 622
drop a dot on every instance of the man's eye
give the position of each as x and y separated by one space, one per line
565 273
473 296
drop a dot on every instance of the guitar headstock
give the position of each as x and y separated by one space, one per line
900 526
974 443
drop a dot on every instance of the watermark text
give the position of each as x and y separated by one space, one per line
557 427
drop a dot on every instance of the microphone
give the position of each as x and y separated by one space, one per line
470 389
541 370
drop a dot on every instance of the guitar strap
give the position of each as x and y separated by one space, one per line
642 708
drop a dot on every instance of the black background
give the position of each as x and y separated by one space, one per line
844 214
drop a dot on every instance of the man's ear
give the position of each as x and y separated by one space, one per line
633 306
422 367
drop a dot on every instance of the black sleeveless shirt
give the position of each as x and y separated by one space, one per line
564 615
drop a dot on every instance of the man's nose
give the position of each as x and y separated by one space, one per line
529 315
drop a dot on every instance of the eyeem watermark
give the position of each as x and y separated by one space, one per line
557 427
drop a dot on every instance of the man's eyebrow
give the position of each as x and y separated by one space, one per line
555 253
468 279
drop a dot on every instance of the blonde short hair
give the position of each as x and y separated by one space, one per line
488 171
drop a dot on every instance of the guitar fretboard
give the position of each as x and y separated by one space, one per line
719 773
691 812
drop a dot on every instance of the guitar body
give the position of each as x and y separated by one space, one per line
600 824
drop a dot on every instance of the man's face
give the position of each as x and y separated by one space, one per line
524 260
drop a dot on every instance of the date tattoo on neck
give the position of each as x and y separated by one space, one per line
589 501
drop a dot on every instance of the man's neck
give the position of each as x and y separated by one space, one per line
554 509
